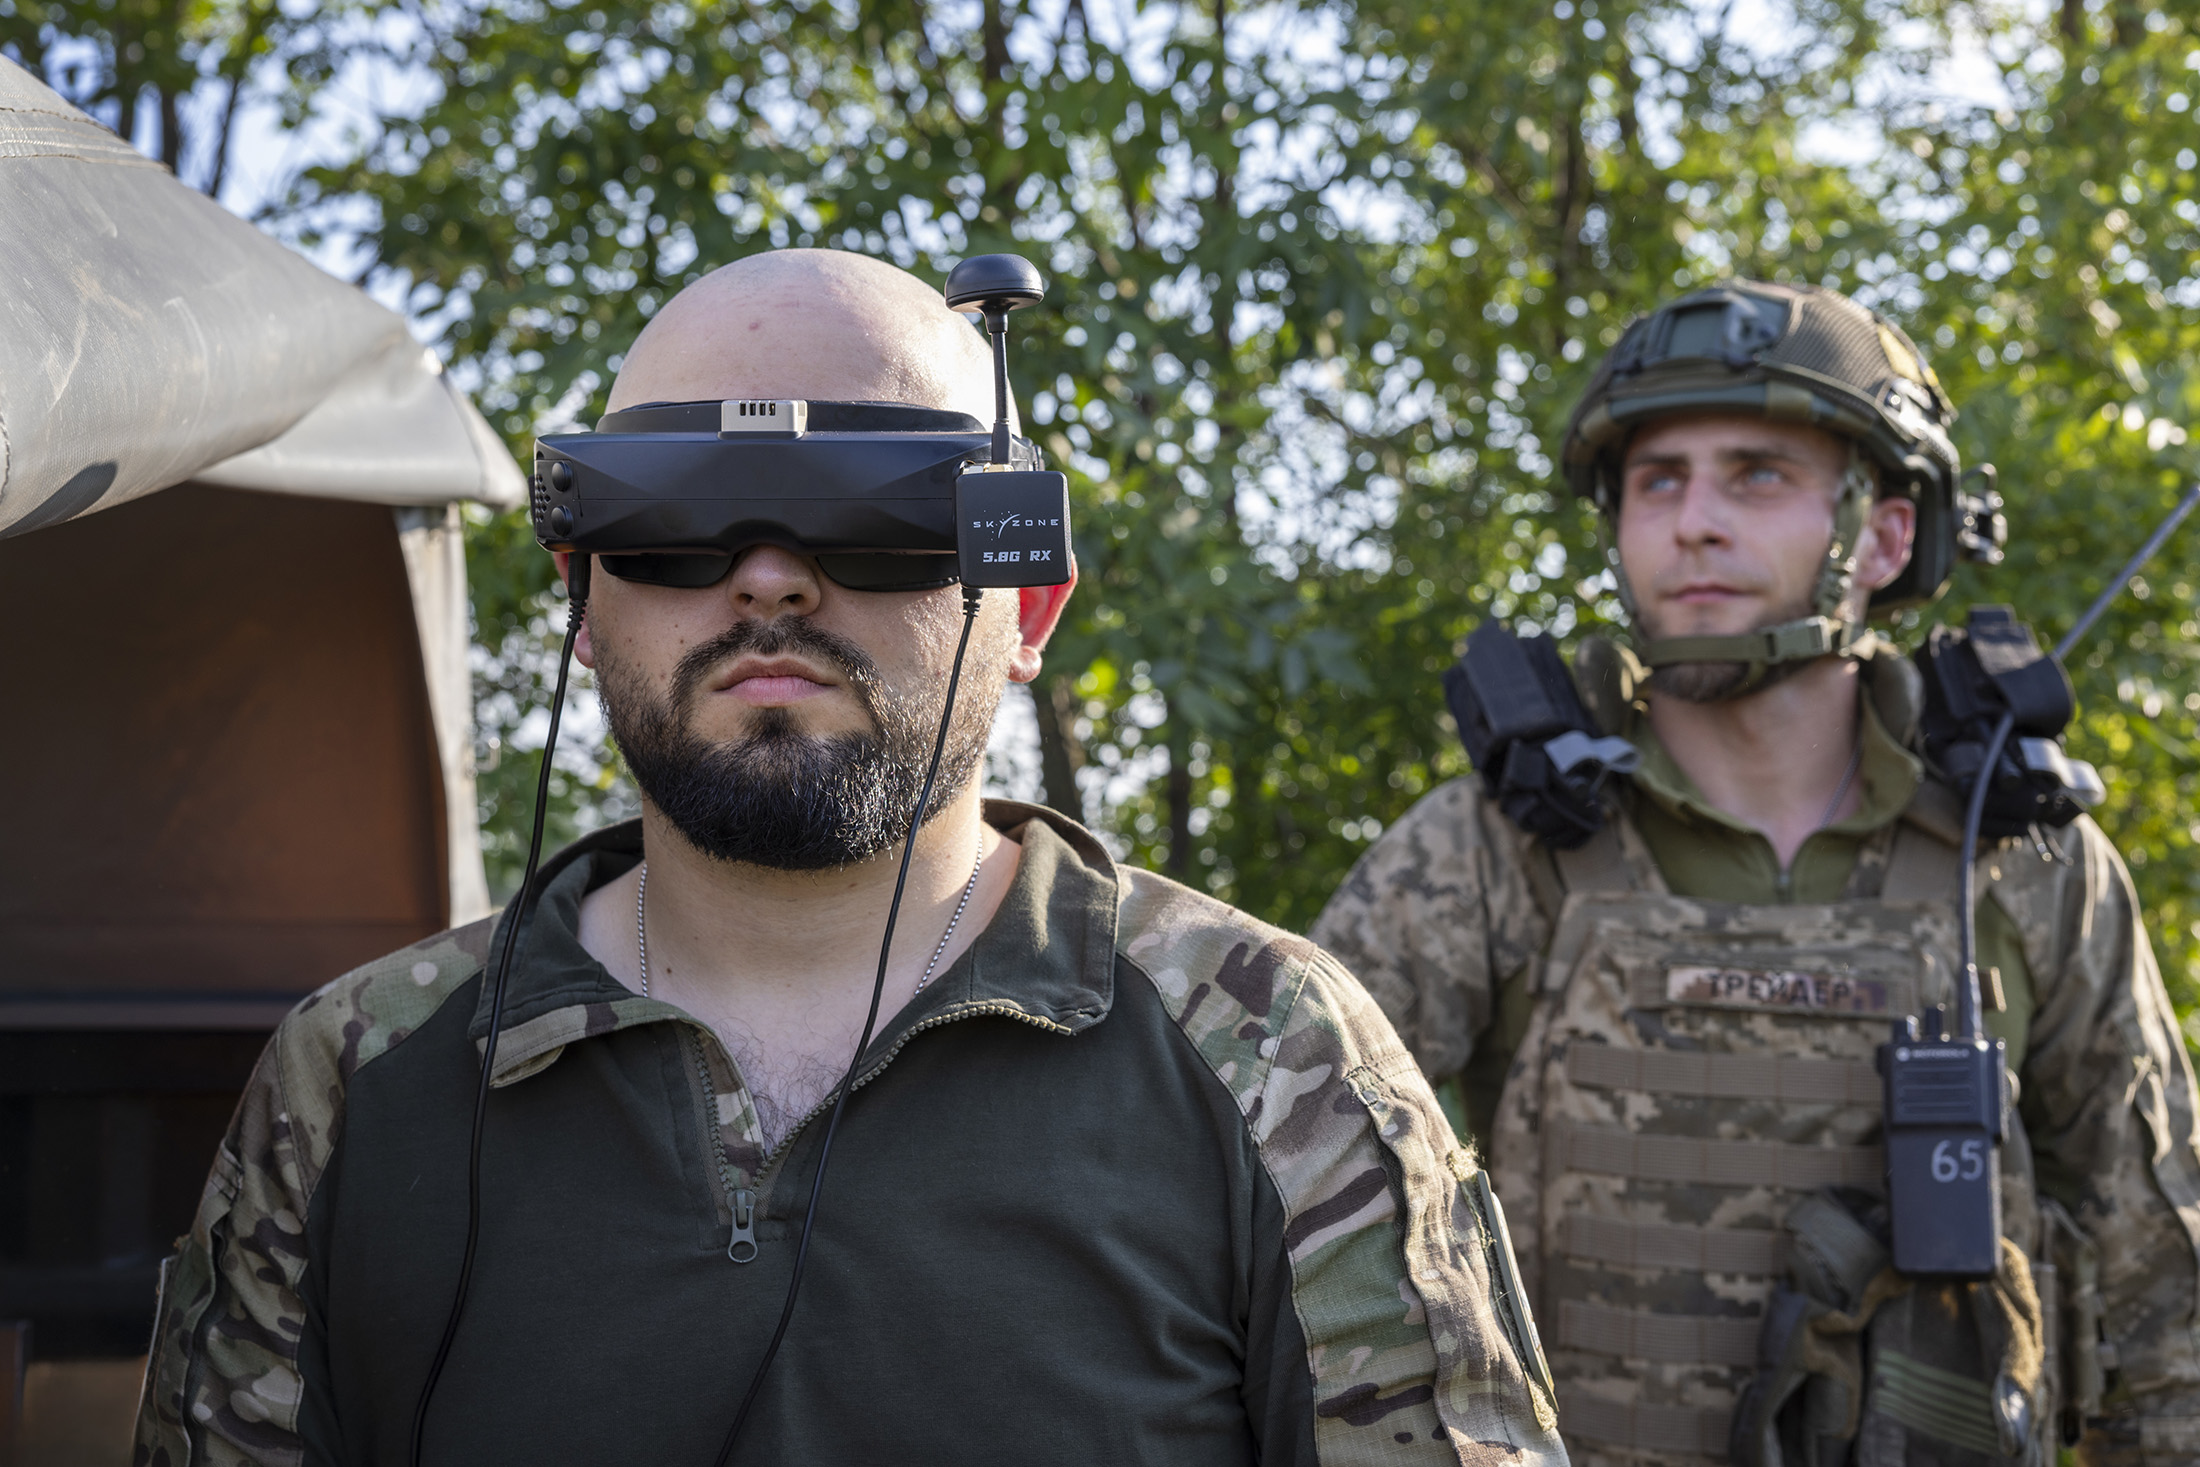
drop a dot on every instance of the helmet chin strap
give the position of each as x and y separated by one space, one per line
1824 633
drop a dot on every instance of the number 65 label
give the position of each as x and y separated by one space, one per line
1959 1162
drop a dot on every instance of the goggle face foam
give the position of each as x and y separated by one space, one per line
693 570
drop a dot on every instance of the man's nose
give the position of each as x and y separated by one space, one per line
768 582
1702 517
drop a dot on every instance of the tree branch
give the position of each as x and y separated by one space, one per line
1060 755
247 44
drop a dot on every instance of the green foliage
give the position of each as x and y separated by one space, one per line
1326 280
173 76
2055 278
519 625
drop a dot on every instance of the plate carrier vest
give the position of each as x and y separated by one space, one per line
1693 1070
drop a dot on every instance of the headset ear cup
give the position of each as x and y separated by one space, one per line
1932 555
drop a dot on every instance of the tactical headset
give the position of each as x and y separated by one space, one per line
884 496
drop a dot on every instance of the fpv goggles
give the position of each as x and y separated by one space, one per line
885 496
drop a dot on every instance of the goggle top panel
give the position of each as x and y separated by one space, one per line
715 416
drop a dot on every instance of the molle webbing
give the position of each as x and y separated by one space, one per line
1940 1405
1725 1076
1693 1430
1666 1339
1673 1245
1614 1151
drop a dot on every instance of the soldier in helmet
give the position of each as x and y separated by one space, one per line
1654 997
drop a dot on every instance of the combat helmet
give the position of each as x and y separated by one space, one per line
1795 354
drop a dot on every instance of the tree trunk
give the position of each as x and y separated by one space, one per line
1222 217
993 38
1060 755
171 132
1179 864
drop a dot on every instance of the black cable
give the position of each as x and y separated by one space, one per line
576 608
2139 558
971 599
1967 990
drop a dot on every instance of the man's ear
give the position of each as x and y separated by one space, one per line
1890 532
584 649
1038 612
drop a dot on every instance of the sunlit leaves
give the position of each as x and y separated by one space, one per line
1327 280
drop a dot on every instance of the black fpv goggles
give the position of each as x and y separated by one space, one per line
885 496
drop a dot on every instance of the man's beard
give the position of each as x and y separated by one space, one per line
1715 682
780 797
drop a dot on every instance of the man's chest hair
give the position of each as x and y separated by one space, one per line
786 1080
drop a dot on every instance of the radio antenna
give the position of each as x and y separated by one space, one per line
994 285
1967 987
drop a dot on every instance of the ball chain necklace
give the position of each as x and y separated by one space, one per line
641 921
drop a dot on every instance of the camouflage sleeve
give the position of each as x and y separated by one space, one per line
223 1384
1432 918
1418 1341
2109 1101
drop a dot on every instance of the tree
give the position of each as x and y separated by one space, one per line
1283 360
2052 257
175 77
584 163
1327 278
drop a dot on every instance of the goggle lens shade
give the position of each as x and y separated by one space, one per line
692 570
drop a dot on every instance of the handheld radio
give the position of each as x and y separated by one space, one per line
1946 1118
1946 1094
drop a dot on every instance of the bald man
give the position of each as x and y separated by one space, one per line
1128 1177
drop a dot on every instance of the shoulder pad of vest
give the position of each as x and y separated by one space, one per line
1542 758
1896 689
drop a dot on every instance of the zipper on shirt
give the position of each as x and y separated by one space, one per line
742 1247
778 1153
741 1202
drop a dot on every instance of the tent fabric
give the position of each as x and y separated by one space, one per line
150 339
434 545
148 336
394 430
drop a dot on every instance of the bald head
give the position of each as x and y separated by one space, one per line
820 324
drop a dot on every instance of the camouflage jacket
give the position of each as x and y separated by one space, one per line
1137 1179
1447 916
